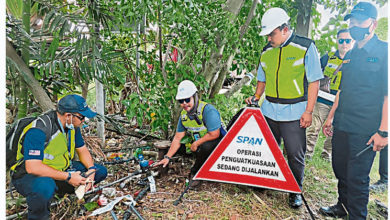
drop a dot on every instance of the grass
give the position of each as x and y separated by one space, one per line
320 183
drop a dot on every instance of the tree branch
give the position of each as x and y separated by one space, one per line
237 86
39 93
225 69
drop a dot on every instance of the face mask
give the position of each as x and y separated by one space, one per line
70 126
358 33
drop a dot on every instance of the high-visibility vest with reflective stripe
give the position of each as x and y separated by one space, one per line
196 130
56 154
284 69
333 62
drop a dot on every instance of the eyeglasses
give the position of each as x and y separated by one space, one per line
187 100
347 41
82 117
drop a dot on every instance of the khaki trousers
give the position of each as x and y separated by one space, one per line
320 113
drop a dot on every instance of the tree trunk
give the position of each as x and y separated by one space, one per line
213 66
100 104
237 86
228 64
23 93
304 17
38 92
84 90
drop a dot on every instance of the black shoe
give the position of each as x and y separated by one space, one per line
295 200
335 211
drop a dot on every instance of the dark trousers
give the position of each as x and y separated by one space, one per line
294 139
352 172
383 164
201 154
40 190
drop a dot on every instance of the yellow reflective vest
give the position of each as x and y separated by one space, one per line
196 129
333 62
284 69
56 153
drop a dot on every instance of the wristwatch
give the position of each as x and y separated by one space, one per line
166 157
382 133
69 177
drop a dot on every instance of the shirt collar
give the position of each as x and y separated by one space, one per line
370 45
337 54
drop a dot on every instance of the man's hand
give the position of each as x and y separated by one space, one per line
194 147
90 179
163 162
76 179
249 99
305 120
327 128
379 142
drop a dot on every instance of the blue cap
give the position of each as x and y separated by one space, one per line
75 103
362 11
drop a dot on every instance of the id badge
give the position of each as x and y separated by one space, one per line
197 137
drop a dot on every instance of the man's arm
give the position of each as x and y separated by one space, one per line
86 159
313 74
37 168
312 94
85 156
259 87
175 145
258 93
209 136
379 141
327 127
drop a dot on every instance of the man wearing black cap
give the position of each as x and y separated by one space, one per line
44 159
360 114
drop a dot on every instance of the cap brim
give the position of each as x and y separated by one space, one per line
88 113
359 17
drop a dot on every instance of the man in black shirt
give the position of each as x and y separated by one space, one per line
360 114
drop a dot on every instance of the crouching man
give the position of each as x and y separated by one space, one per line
202 121
44 158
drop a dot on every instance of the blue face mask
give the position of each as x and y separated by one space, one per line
70 126
358 33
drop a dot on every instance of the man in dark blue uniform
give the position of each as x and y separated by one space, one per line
360 114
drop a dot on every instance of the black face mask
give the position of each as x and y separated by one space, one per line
358 33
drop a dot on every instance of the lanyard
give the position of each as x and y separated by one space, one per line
67 140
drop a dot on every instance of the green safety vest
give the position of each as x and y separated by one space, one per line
56 154
333 62
196 130
284 69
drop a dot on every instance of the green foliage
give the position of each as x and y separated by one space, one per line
15 7
120 45
65 57
381 29
91 206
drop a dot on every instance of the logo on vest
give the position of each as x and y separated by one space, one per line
290 58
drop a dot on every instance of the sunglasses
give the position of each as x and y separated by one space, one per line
347 41
82 117
187 100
